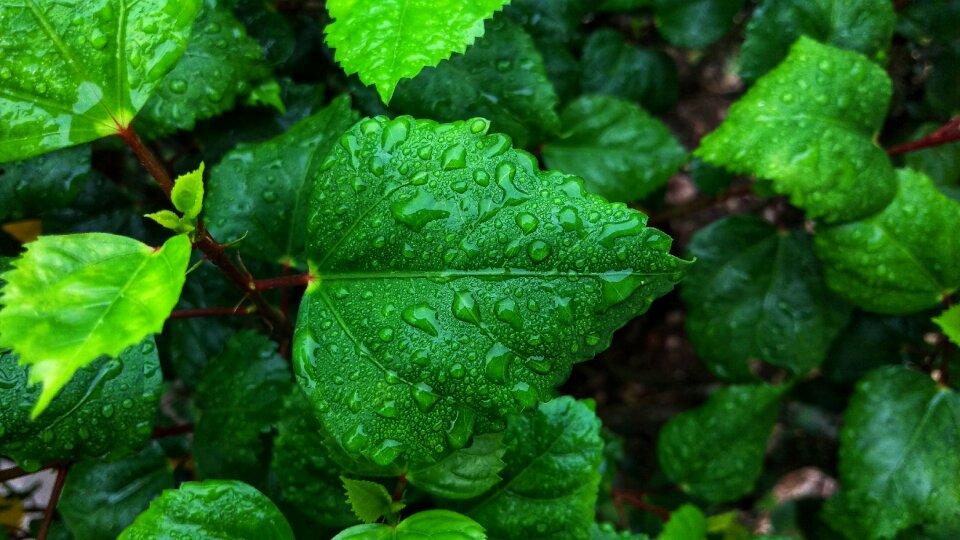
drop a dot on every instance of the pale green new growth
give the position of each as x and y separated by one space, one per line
187 197
370 500
432 525
949 323
70 299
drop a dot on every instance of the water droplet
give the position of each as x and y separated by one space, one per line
497 362
419 210
478 125
269 196
524 394
425 152
506 310
481 177
127 403
460 428
394 133
5 73
386 334
107 411
538 250
465 307
454 158
46 436
424 397
527 222
357 440
422 317
388 452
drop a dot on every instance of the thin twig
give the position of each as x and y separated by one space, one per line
299 280
401 487
213 312
52 504
946 133
171 431
622 495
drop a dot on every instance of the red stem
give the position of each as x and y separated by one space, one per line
212 312
633 500
171 431
52 504
401 486
946 133
299 280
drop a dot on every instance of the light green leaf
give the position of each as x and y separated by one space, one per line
269 94
261 192
738 419
501 78
71 299
899 260
187 194
757 293
210 509
809 125
370 500
694 24
621 151
432 524
221 63
685 523
105 411
101 499
33 186
170 220
949 322
606 531
612 67
384 41
466 473
899 465
456 283
549 485
78 71
865 26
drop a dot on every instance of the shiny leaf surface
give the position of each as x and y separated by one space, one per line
432 524
33 186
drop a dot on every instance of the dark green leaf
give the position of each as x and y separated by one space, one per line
106 410
929 20
101 499
612 67
941 163
432 524
736 419
709 179
624 5
260 192
686 523
466 473
757 293
223 509
501 78
871 341
32 186
695 24
940 96
899 260
621 151
269 27
456 283
809 125
606 531
865 26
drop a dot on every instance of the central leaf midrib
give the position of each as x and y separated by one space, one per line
502 273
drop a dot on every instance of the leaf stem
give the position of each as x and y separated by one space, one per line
212 312
54 499
946 133
299 280
630 498
171 431
401 487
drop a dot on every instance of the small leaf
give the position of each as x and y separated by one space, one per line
871 341
606 531
267 93
685 523
466 473
71 299
187 194
621 151
694 24
369 500
949 322
210 509
899 260
738 419
33 186
432 524
614 68
387 40
809 125
170 220
57 91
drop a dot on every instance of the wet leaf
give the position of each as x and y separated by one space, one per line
30 187
432 524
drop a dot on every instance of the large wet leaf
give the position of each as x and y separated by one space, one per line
432 524
466 473
32 186
456 283
809 126
70 299
612 67
72 72
694 24
384 41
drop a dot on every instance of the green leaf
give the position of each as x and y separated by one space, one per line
949 322
76 72
384 41
898 461
757 293
466 473
606 531
624 5
220 64
685 523
924 21
268 94
899 260
694 24
808 125
621 151
549 485
260 192
101 499
871 341
170 220
370 500
738 419
455 283
105 411
709 179
941 163
187 194
73 298
612 67
501 78
210 509
865 26
239 397
32 186
432 524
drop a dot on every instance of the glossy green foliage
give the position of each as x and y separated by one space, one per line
101 499
621 151
211 509
105 411
808 125
898 260
466 473
220 64
75 72
949 322
33 186
384 41
370 500
871 341
606 531
899 466
685 523
738 419
240 395
549 485
187 198
758 293
501 78
260 192
865 26
71 299
694 24
455 283
432 524
614 68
